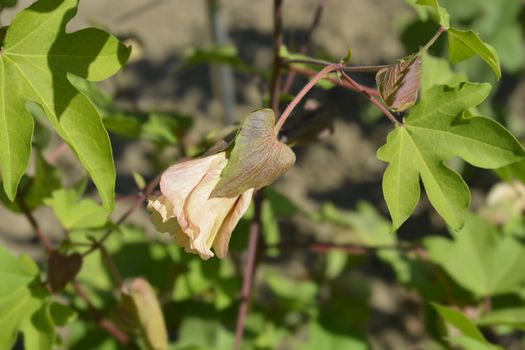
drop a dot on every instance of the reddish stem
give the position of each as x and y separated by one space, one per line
328 69
312 73
104 323
137 203
304 48
44 240
277 41
255 228
372 99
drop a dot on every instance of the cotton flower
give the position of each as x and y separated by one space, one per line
186 210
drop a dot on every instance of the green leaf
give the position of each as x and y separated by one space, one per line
37 58
321 338
469 330
437 71
439 14
509 316
24 304
463 44
75 214
398 84
62 314
435 131
257 158
226 54
480 259
514 171
366 225
7 3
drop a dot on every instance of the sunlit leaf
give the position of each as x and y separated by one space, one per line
463 44
435 131
74 213
36 59
480 259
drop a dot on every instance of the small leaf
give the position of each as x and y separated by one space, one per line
469 330
257 158
439 13
74 214
435 131
480 259
139 180
398 84
463 44
143 312
62 269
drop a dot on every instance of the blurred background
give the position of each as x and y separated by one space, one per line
199 66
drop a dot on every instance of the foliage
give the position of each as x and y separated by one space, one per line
331 272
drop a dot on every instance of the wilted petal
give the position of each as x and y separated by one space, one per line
164 221
205 215
180 179
220 244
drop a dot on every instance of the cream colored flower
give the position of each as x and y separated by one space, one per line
186 210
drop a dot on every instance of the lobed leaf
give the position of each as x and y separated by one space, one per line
257 158
435 131
36 60
463 44
480 259
24 304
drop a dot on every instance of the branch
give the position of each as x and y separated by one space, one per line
312 73
104 323
137 203
355 69
277 41
255 228
433 39
44 240
304 48
326 70
372 99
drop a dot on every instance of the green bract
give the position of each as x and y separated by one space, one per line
434 131
257 158
35 61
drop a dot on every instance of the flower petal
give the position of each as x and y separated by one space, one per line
205 215
220 244
180 179
164 221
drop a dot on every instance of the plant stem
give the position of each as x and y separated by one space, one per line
104 323
46 243
355 69
433 39
112 267
372 99
328 69
277 41
312 73
255 228
137 203
306 44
